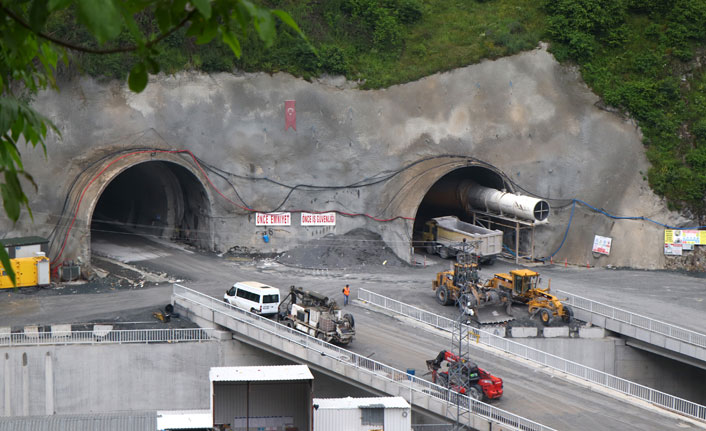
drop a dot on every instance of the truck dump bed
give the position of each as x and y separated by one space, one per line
452 231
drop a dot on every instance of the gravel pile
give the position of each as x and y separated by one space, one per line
355 249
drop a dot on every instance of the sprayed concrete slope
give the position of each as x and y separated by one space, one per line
532 119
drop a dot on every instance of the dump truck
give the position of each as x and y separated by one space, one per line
317 315
462 287
449 237
465 377
522 286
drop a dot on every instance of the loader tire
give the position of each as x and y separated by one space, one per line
443 252
545 316
442 295
429 249
568 316
476 392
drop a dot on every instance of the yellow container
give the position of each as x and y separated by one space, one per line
29 271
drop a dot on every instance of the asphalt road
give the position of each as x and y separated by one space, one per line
529 392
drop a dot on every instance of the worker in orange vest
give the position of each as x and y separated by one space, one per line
346 292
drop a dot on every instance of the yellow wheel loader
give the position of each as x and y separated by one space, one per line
522 285
462 287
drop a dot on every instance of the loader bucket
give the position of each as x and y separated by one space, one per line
493 314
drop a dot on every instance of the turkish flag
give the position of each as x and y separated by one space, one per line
290 115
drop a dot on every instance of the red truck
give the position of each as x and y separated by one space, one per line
465 377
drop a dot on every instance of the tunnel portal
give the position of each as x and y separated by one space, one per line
155 198
442 198
478 196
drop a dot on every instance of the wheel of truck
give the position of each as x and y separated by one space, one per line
442 295
488 261
349 318
545 315
289 323
443 252
568 315
475 392
321 336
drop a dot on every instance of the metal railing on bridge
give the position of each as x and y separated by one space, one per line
409 383
637 320
601 378
170 335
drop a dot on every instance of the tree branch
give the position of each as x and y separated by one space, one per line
78 48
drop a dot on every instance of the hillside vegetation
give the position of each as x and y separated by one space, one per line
643 57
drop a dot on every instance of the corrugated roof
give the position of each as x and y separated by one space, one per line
260 374
184 419
357 403
130 421
24 240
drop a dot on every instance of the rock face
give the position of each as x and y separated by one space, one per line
524 118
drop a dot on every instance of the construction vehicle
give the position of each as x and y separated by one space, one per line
317 315
465 377
522 285
448 237
462 287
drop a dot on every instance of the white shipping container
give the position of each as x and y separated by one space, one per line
362 414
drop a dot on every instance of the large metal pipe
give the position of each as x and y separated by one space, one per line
510 204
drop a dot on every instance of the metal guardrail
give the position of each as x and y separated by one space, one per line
601 378
401 378
637 320
113 336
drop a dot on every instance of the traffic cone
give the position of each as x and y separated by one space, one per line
566 262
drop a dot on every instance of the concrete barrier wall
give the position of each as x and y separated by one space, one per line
78 379
41 380
613 356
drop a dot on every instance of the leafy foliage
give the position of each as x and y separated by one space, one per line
639 55
30 52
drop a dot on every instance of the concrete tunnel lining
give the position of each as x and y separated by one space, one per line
152 198
409 194
175 189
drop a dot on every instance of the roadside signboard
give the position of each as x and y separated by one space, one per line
682 236
673 249
319 219
273 219
601 244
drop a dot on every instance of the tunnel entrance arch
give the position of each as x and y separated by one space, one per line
157 199
158 192
479 200
442 198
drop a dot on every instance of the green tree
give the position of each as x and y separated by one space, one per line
29 56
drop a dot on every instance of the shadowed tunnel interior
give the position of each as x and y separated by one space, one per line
154 198
443 198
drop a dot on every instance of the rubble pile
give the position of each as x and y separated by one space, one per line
355 249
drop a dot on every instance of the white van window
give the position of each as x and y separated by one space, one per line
270 299
254 297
